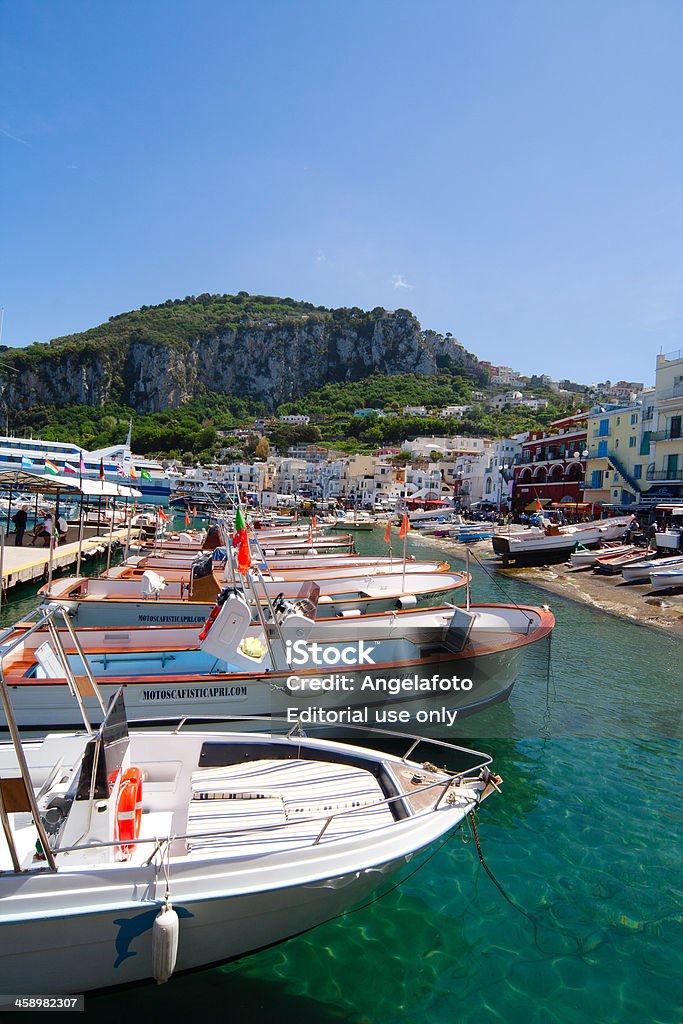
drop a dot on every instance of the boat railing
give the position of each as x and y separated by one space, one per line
478 772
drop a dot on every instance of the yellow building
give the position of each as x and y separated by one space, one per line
665 471
619 440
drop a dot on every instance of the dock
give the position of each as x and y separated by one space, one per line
27 564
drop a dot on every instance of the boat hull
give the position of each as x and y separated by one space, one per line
383 695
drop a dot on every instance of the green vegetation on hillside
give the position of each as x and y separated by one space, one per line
181 322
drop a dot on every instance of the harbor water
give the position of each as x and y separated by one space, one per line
585 839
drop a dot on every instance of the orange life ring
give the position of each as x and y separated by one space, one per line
129 810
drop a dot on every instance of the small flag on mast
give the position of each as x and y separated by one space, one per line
405 526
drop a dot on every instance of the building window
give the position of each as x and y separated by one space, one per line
618 422
616 442
638 472
634 418
632 442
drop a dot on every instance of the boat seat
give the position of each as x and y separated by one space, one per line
279 804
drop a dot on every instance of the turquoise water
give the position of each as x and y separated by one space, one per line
585 838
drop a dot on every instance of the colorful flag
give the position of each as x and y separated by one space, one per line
405 526
101 469
539 507
387 534
162 516
244 554
315 522
187 517
133 474
81 465
50 467
119 469
194 511
145 475
27 463
68 468
296 516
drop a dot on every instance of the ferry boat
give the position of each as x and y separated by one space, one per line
117 461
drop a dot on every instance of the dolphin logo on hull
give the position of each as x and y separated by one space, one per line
131 927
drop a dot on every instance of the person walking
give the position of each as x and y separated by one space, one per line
19 519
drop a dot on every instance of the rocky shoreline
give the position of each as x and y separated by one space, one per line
636 602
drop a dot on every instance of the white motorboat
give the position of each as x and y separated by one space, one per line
432 664
667 579
151 598
555 543
127 856
640 572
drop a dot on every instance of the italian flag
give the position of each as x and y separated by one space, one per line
51 468
240 529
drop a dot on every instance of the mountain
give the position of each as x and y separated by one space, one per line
258 347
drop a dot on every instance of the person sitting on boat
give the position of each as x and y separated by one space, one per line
44 530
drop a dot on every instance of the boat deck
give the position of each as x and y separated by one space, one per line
281 805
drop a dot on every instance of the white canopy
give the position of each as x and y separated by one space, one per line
52 483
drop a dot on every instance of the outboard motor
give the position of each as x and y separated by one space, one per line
202 566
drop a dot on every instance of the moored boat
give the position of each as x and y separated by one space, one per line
130 855
640 572
456 659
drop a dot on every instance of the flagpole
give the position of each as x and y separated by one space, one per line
111 532
80 537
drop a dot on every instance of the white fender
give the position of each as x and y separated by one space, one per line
165 933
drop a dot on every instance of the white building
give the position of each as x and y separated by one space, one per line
454 411
296 421
470 471
498 473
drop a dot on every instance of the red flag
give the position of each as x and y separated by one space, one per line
387 534
405 526
539 507
296 516
194 511
315 522
162 516
310 534
101 469
244 554
187 517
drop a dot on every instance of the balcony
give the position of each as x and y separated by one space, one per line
667 435
665 474
601 433
675 392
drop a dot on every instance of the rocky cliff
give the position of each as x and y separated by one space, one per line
271 350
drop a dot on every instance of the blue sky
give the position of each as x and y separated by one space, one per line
510 171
